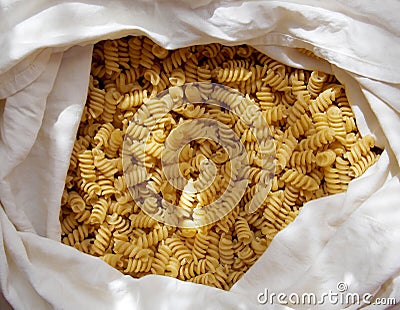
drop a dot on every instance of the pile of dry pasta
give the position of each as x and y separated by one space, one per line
318 152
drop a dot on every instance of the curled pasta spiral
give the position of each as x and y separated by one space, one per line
247 255
196 268
96 100
137 265
68 224
273 206
325 158
154 237
322 102
317 140
86 166
103 238
103 135
243 231
191 69
204 74
211 50
132 99
300 127
237 74
343 169
316 83
135 47
285 151
142 220
175 59
299 180
161 259
114 260
360 148
320 121
159 51
332 180
298 109
366 161
106 166
152 75
205 279
77 235
119 224
90 189
125 248
302 158
146 56
112 99
99 212
111 57
122 209
80 145
225 248
75 202
201 242
275 114
177 77
172 269
84 246
298 86
180 251
266 98
335 121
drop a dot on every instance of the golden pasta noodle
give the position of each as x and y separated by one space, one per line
310 132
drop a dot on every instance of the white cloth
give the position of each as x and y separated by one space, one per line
46 47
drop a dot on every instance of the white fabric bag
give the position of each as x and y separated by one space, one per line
350 238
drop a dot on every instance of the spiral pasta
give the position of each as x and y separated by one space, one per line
325 158
317 140
299 180
322 102
277 80
103 238
363 164
316 83
312 131
111 58
360 148
335 120
236 74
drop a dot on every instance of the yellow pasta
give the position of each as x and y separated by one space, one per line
316 83
299 180
105 207
86 166
277 80
325 158
322 102
96 100
68 224
75 202
363 164
317 139
236 74
360 148
111 57
103 238
335 120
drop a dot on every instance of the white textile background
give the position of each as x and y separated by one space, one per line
45 49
